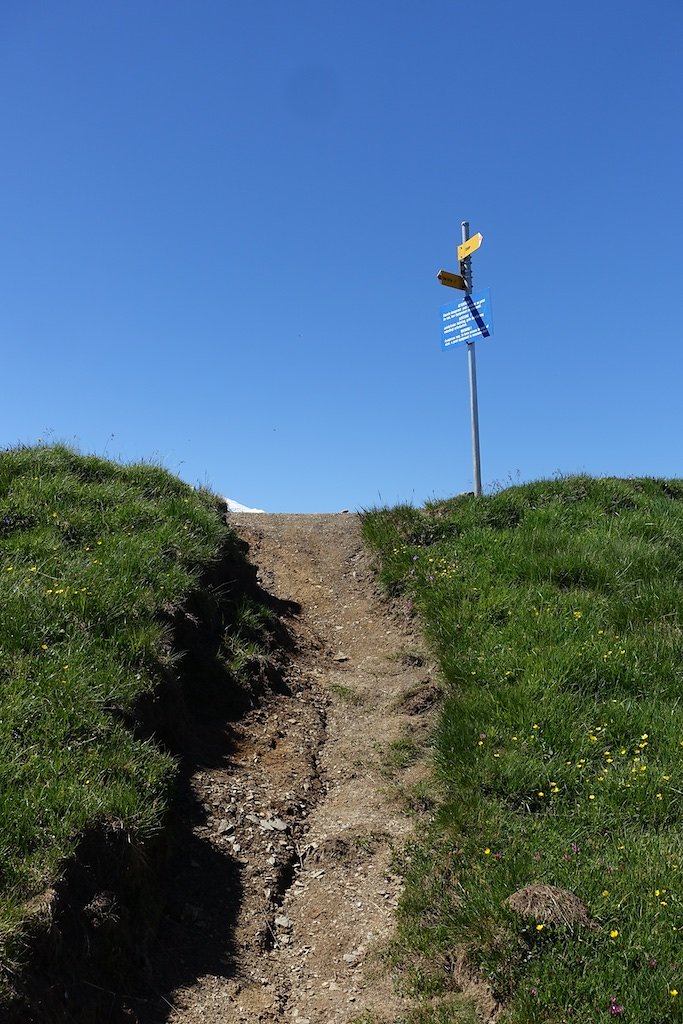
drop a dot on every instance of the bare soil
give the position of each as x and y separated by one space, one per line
286 886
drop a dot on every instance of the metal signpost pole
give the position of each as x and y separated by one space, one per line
466 271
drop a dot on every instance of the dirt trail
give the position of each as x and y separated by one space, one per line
301 819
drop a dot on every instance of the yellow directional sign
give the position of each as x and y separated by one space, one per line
470 246
452 280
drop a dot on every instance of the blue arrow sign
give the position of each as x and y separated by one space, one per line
466 320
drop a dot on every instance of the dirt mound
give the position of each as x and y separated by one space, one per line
548 904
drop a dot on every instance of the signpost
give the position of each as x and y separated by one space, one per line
452 280
466 321
469 245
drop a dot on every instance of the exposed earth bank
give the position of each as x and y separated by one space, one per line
286 896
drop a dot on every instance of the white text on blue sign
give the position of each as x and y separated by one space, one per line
467 320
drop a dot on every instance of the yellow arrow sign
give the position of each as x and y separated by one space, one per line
452 280
470 246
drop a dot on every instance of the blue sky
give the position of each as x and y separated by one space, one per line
222 225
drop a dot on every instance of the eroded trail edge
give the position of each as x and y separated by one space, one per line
308 809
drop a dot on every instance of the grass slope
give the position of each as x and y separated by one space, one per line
94 559
556 610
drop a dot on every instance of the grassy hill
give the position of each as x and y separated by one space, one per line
552 867
555 859
116 583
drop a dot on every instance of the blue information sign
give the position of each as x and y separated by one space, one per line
466 320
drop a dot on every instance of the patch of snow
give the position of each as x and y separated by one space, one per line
235 506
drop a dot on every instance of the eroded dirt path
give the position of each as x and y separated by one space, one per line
304 814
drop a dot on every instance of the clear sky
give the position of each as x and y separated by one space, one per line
222 224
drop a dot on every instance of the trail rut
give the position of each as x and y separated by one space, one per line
285 900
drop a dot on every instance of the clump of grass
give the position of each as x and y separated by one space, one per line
556 612
347 694
450 1010
94 558
400 754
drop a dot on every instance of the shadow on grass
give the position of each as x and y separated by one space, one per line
130 924
205 891
204 895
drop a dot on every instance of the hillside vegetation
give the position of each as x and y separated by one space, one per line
98 566
556 612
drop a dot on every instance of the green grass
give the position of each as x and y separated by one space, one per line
347 694
556 612
94 560
399 754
